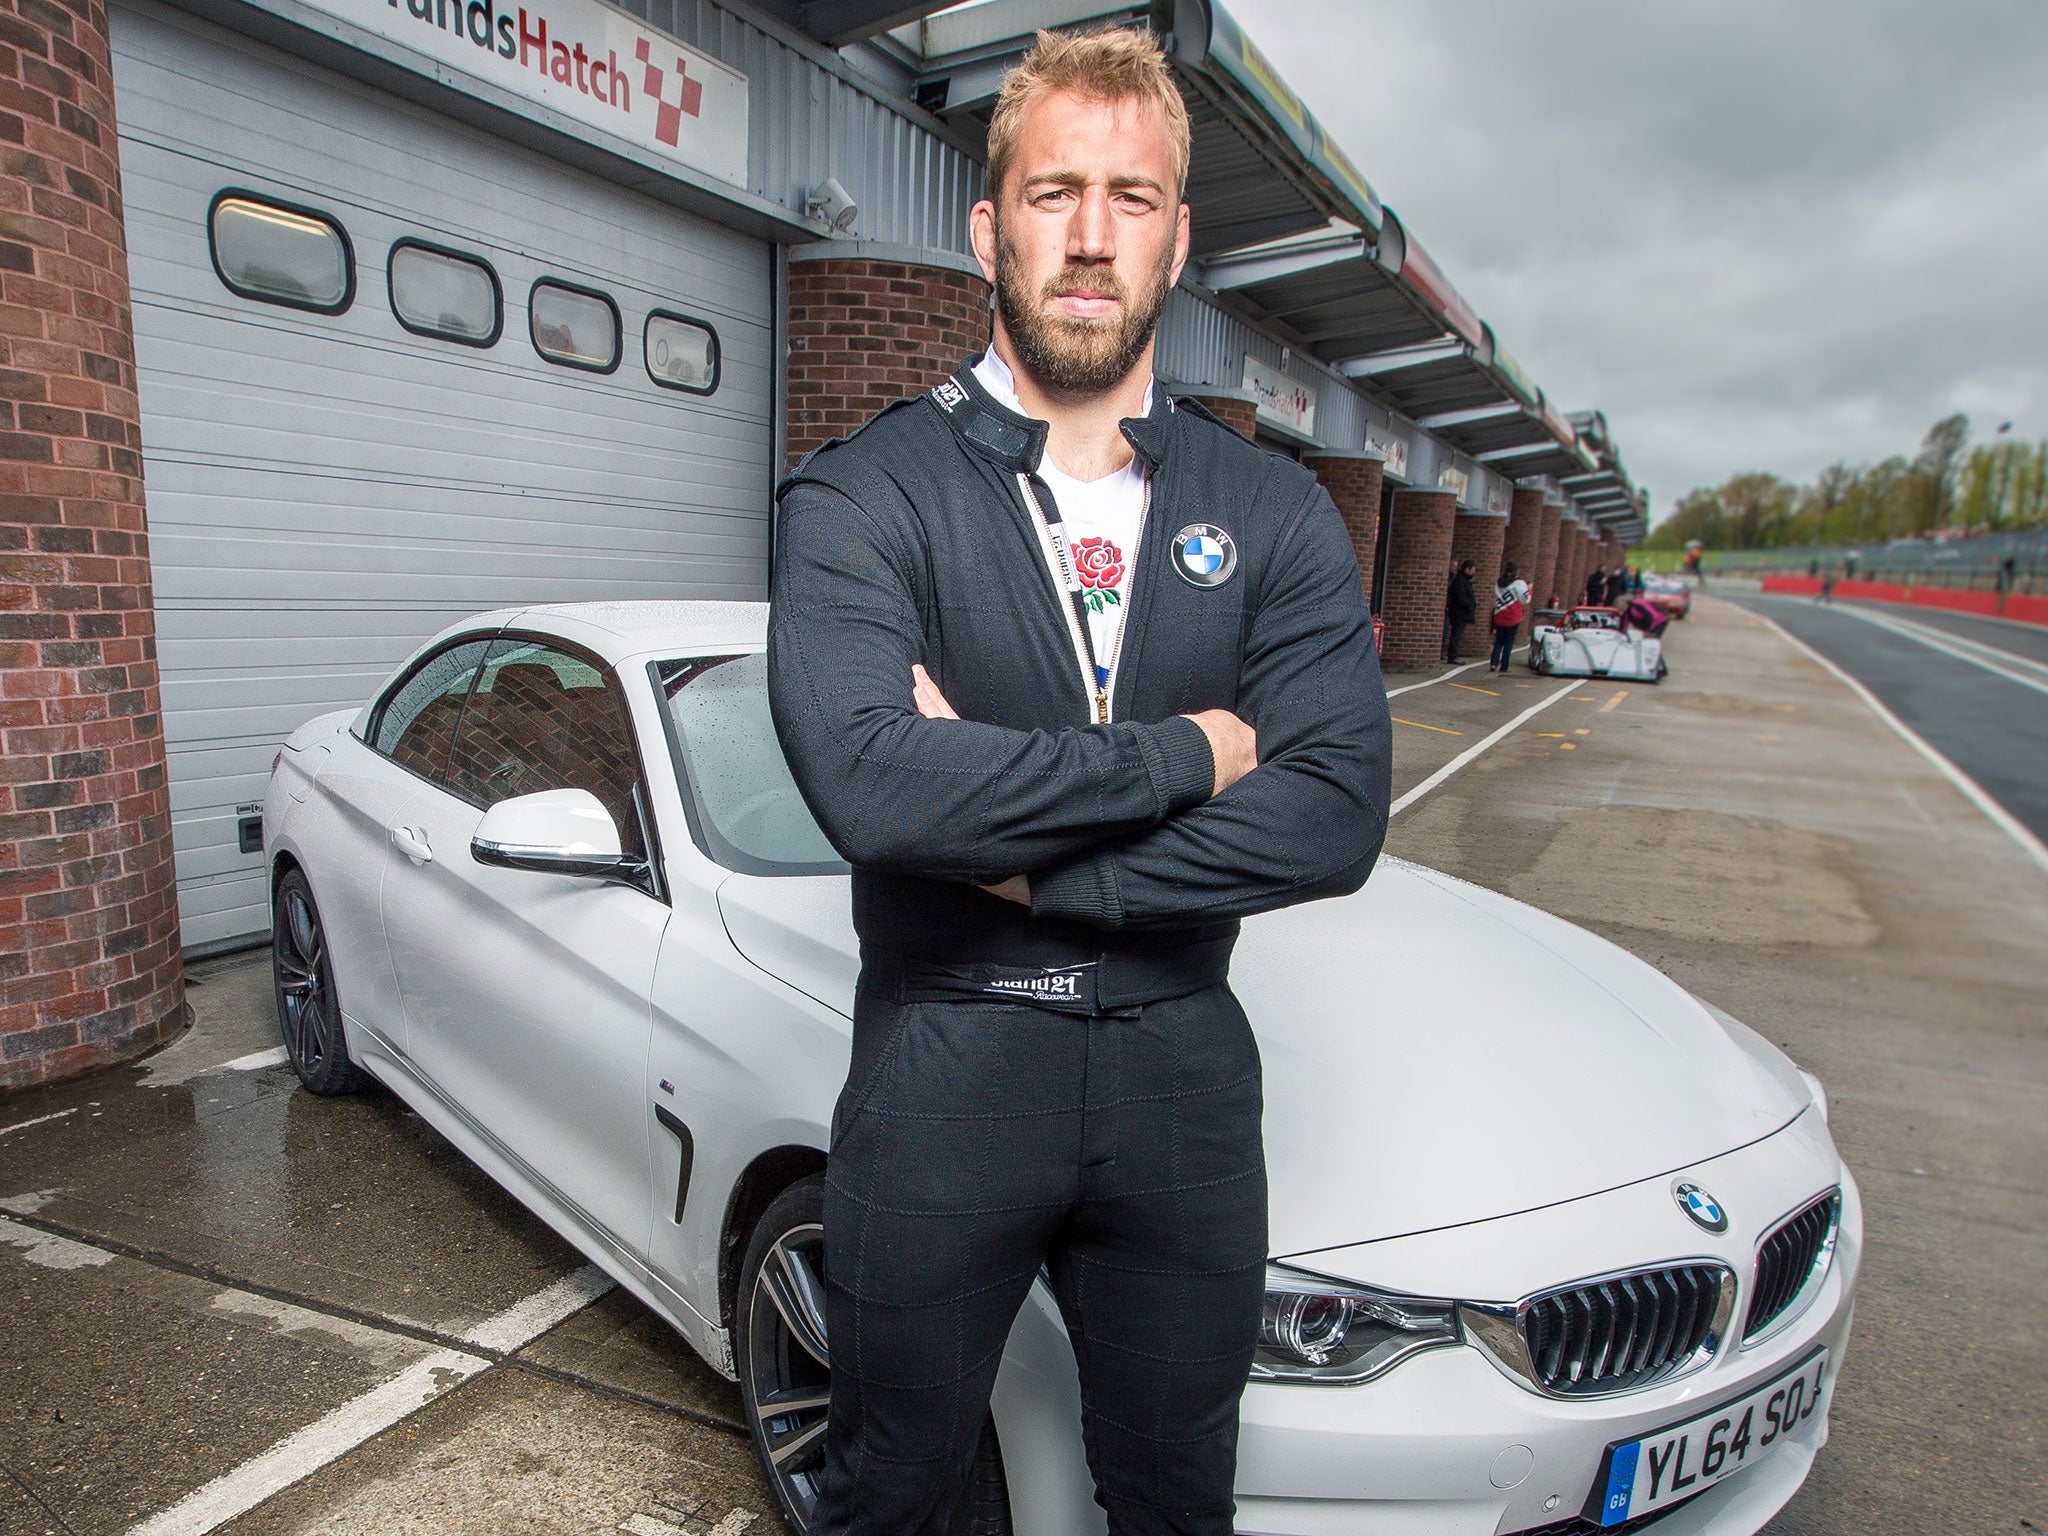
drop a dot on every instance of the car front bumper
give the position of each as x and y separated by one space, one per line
1447 1445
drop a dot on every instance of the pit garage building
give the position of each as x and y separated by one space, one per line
402 309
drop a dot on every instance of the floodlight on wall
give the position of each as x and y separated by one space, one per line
832 205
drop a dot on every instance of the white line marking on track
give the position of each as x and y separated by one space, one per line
2000 817
49 1250
319 1443
1441 677
1960 649
1477 748
22 1125
522 1323
255 1061
363 1418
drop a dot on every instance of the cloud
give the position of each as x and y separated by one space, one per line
1758 235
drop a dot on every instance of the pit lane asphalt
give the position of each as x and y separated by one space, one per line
1994 727
205 1262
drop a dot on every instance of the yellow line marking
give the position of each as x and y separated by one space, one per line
1584 732
1582 698
1446 730
1786 709
1614 701
1767 738
1487 691
1550 735
1567 746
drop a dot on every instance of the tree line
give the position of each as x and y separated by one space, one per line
1949 484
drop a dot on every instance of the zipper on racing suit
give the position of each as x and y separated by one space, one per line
1097 681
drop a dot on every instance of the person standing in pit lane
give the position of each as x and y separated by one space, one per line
1510 607
1075 677
1461 607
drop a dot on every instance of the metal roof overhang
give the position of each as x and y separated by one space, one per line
1325 293
1432 383
1548 457
1262 167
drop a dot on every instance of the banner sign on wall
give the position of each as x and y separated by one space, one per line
1393 449
1453 480
1500 499
585 60
1279 398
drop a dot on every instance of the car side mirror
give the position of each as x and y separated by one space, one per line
558 831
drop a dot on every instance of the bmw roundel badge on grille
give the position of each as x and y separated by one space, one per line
1204 555
1702 1207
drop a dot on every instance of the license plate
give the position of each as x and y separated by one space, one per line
1675 1463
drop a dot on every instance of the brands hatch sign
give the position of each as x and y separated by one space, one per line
585 60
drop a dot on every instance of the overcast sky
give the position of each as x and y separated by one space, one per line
1759 234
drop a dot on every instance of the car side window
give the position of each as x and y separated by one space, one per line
416 723
542 718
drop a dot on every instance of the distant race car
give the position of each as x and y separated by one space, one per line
1592 642
1673 594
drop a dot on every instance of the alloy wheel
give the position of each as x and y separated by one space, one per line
788 1365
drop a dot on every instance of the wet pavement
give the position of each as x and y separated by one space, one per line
211 1279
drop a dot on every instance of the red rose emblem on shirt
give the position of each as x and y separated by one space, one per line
1098 563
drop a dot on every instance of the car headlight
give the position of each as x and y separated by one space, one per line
1318 1330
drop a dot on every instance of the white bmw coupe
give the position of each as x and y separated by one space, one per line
1556 1247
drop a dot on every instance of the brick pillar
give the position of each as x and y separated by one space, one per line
1480 539
1570 576
1543 583
1354 484
1418 566
1525 534
89 966
864 333
1241 416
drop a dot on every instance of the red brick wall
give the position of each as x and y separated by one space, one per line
864 333
1354 484
89 968
1480 540
1543 583
1241 416
1418 570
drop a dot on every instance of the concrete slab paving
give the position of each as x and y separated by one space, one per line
354 1201
619 1345
141 1384
512 1452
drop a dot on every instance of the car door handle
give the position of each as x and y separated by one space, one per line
412 842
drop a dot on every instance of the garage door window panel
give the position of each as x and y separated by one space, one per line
681 353
415 723
576 327
444 293
543 718
281 253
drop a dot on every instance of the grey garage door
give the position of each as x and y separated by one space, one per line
327 489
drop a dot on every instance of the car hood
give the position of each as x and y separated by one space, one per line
1434 1053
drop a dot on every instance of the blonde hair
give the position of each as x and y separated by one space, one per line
1115 65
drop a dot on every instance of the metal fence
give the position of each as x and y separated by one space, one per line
1975 563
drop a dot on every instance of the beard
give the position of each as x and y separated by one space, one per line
1077 357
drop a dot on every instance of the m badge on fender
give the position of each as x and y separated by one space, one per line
1204 555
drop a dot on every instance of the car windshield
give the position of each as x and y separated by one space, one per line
745 809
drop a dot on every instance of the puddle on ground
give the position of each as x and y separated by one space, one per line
1700 874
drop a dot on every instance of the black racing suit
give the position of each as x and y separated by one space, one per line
1070 1086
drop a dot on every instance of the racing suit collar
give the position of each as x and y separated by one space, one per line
1016 443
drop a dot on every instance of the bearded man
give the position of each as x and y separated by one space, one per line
1075 678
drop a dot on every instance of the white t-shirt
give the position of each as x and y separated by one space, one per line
1102 518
